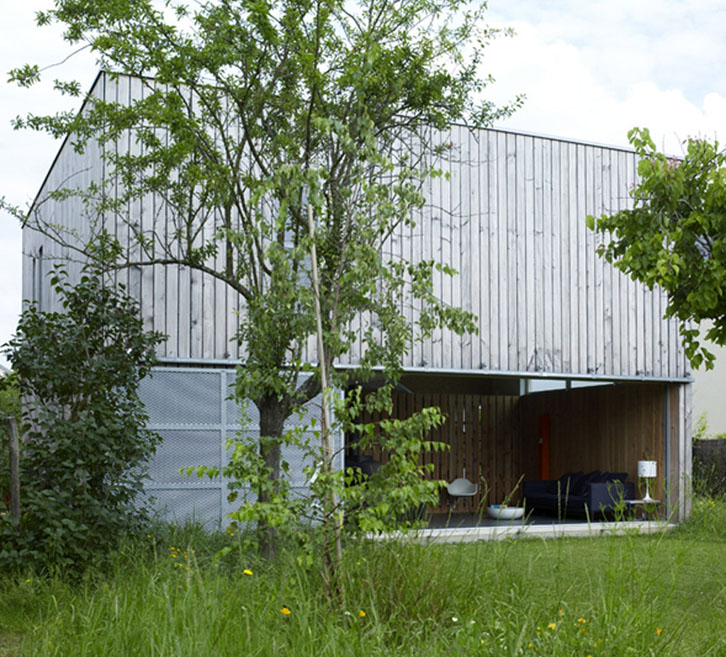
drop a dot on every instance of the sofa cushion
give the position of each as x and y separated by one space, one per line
566 483
580 487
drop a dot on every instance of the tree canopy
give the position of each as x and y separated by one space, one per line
675 236
253 115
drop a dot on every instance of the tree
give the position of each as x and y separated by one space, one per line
86 441
254 112
675 236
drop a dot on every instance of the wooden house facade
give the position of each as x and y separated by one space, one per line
562 335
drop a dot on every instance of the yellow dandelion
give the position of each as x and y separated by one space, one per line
552 626
581 620
659 631
247 571
285 611
362 613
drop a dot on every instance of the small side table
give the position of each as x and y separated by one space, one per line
642 504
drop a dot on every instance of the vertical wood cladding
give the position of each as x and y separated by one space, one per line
509 215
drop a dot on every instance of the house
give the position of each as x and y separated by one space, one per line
573 368
708 393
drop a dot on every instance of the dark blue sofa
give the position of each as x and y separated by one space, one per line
577 494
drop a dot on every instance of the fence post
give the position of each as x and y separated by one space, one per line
14 467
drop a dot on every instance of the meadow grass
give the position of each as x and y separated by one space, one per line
163 596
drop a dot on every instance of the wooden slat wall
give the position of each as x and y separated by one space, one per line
70 169
483 436
607 428
509 215
528 265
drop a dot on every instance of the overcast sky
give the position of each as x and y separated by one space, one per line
590 71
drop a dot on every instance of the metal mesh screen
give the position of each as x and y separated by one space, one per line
181 396
182 449
190 409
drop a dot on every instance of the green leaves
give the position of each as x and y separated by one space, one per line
25 76
675 236
86 446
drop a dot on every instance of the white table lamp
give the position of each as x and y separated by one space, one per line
647 470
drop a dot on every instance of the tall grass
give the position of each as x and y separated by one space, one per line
164 596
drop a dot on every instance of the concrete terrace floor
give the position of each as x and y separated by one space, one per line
462 527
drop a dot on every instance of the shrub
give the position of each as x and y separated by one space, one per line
9 407
86 442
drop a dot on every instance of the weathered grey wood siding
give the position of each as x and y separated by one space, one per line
509 215
71 169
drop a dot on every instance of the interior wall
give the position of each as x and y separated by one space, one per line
607 428
482 435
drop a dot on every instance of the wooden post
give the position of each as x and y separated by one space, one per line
14 467
332 502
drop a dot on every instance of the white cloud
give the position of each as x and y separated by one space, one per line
567 98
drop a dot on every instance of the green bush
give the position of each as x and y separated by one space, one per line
85 439
9 407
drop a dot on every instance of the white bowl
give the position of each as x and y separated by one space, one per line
499 512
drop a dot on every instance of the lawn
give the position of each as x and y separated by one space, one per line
163 596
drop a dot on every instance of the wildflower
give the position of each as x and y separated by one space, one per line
347 613
362 613
658 631
552 626
454 619
27 581
247 571
285 611
581 620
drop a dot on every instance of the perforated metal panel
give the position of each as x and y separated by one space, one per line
189 407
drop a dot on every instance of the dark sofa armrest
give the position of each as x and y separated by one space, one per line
535 488
604 496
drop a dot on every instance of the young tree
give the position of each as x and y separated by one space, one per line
675 236
253 112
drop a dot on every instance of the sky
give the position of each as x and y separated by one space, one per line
590 71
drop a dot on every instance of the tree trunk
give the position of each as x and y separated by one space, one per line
272 421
